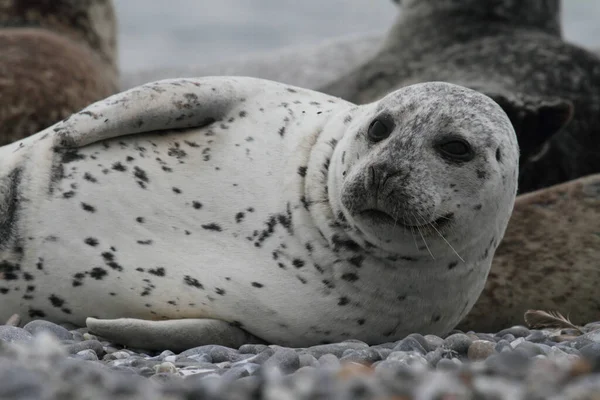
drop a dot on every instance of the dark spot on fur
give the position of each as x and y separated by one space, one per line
298 263
88 207
343 301
119 167
350 277
302 171
239 217
197 205
257 285
91 241
145 242
188 280
56 301
90 178
452 265
212 227
157 271
98 273
140 220
177 190
33 313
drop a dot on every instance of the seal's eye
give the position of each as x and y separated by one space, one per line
457 149
379 130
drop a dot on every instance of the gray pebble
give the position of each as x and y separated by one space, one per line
502 345
422 341
591 352
433 342
458 342
261 357
252 348
480 350
537 337
531 349
217 353
20 383
510 364
307 360
516 331
363 356
410 344
329 361
87 355
39 325
12 334
94 345
446 364
336 349
509 337
235 373
383 352
286 360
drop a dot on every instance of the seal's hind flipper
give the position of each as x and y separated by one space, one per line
162 105
175 335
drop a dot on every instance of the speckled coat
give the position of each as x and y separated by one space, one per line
240 199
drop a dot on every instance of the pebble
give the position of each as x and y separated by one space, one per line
39 325
480 350
514 363
12 334
458 342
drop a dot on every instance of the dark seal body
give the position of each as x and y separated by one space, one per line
56 57
511 51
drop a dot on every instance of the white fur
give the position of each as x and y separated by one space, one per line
257 168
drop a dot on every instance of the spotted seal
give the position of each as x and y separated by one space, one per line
275 210
56 57
512 51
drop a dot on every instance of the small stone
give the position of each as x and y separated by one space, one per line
591 352
480 350
87 355
217 353
422 341
252 348
517 331
165 377
383 352
39 325
12 334
433 342
537 337
363 356
509 364
410 344
446 364
336 349
285 359
509 337
94 345
261 357
530 349
307 360
165 367
458 342
236 373
329 361
19 382
502 345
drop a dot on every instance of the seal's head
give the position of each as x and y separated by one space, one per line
429 160
91 22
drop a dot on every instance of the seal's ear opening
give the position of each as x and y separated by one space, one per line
535 119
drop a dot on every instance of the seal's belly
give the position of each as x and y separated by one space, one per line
159 226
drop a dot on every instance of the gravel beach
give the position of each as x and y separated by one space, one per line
46 361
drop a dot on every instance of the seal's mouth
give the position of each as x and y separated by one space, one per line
382 217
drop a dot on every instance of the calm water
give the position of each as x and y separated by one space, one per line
166 33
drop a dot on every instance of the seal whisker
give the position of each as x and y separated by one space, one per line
447 242
423 237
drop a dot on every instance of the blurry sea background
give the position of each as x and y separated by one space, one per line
162 33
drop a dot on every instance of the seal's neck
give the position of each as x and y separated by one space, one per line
543 15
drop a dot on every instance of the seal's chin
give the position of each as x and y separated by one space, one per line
379 217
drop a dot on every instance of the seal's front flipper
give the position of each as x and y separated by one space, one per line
176 335
162 105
